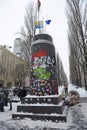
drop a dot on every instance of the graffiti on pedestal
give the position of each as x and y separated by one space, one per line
43 66
42 71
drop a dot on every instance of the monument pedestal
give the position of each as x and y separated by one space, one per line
42 108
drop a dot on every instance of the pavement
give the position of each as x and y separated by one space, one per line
79 122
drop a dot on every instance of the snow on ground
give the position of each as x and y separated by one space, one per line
7 116
28 124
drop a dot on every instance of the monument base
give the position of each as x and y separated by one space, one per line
49 99
42 108
52 117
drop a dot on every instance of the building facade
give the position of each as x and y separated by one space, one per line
12 68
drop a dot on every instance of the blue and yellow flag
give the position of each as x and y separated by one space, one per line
38 24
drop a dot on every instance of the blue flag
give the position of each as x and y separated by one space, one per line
48 21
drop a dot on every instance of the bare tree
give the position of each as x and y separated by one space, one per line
20 73
76 12
60 71
28 31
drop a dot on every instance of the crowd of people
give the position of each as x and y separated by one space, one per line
6 96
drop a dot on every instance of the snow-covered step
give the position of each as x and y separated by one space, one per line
49 99
42 108
53 116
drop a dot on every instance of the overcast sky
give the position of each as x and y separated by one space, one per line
12 18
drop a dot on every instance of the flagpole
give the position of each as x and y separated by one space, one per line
46 24
35 19
38 20
45 27
38 7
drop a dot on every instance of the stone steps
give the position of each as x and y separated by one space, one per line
53 116
41 108
50 99
42 111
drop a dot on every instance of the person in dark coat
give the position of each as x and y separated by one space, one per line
22 93
5 96
2 96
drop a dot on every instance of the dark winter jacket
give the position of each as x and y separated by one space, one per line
22 93
2 97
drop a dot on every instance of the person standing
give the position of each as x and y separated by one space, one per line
2 101
10 99
5 91
64 92
22 93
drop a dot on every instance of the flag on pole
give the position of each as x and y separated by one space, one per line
38 4
38 24
47 21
